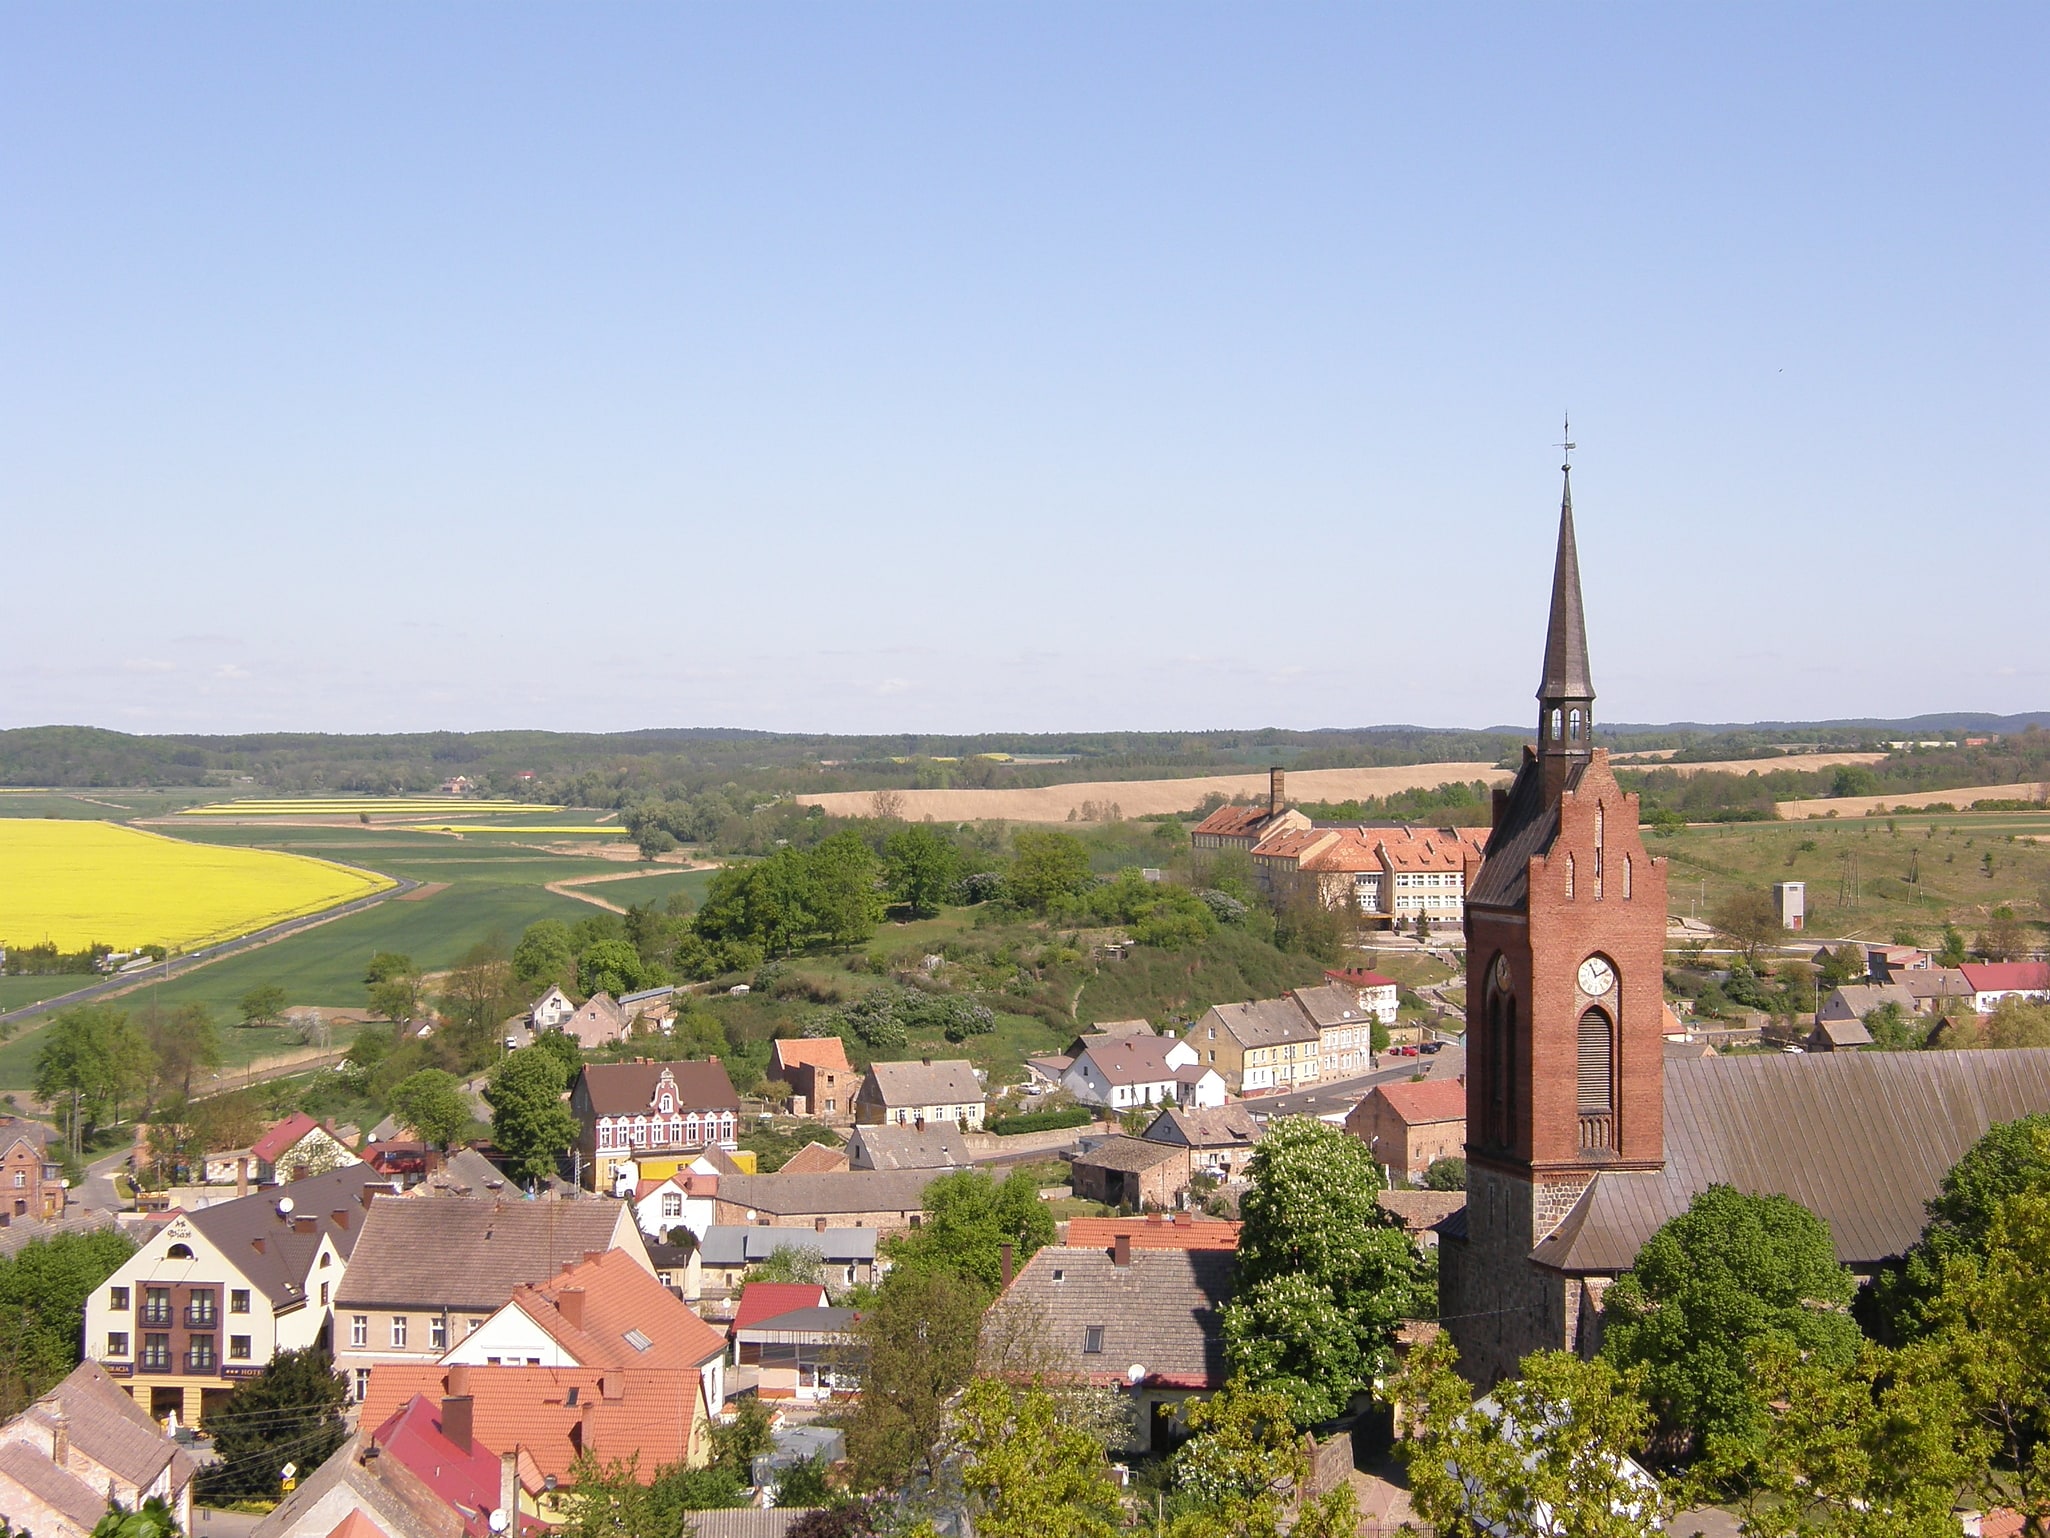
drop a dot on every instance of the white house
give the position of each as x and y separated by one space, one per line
1996 980
1129 1071
689 1199
551 1010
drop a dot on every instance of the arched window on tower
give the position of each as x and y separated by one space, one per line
1555 723
1569 878
1501 1060
1626 878
1595 1098
1573 725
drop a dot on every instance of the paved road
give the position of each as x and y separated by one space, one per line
1344 1094
98 1193
208 1523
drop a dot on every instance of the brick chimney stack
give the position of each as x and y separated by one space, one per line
1276 782
570 1301
1121 1251
509 1489
456 1419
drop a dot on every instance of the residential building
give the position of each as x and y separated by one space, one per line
889 1200
805 1354
80 1446
1854 1001
766 1300
1242 827
437 1443
1122 1072
597 1022
911 1094
1107 1031
1884 962
1412 1124
1219 1141
1790 902
553 1415
1421 1213
31 1178
1838 1036
650 1010
427 1274
551 1011
1992 981
847 1255
1147 1322
934 1146
1154 1231
1132 1173
1345 1028
822 1082
1257 1047
603 1311
689 1199
658 1116
678 1267
1392 874
361 1493
298 1146
1931 987
211 1296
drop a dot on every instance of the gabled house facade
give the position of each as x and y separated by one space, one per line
656 1116
1258 1047
296 1147
551 1010
31 1181
1121 1072
80 1446
598 1022
912 1094
822 1082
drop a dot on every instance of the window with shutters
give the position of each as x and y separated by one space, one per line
1595 1099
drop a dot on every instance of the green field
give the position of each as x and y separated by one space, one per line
1875 858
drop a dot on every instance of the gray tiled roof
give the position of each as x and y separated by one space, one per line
56 1488
1130 1154
466 1252
842 1191
936 1146
1526 830
1328 1004
1861 1139
1854 1001
1260 1023
948 1081
280 1266
1161 1312
111 1429
744 1521
1224 1126
740 1244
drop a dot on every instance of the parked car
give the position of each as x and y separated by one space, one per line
1430 1047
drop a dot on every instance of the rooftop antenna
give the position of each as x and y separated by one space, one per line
1568 445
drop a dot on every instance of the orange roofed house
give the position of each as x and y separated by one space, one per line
1241 827
1411 1124
1391 874
822 1082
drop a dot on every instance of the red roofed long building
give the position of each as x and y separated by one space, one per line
1993 981
1241 827
1411 1124
1388 873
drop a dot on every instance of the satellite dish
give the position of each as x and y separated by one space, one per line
284 1206
499 1520
1135 1375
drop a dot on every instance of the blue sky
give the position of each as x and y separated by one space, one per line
912 367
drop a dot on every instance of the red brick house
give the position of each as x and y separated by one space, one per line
31 1179
1411 1124
818 1073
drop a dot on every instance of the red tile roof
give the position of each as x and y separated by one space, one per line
808 1052
552 1412
2000 976
620 1300
1234 820
356 1525
467 1481
770 1300
1182 1232
1431 1100
282 1136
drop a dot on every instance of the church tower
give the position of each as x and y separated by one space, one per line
1565 987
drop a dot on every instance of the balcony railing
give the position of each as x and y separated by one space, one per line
157 1316
201 1318
1597 1132
201 1361
153 1361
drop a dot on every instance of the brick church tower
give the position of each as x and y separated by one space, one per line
1565 952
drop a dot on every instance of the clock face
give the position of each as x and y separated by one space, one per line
1597 977
1502 973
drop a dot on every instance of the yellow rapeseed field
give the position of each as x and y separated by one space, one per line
76 883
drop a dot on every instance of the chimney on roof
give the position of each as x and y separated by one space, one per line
927 1061
612 1385
1121 1250
60 1435
242 1177
1183 1220
570 1303
340 1216
819 1224
1499 805
1154 1218
590 1256
369 1195
456 1419
509 1489
258 1242
302 1225
1009 1254
1275 783
459 1380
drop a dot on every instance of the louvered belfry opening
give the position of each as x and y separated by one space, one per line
1596 1099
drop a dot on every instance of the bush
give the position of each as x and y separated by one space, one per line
1039 1121
1447 1174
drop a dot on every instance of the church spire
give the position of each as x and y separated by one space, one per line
1566 692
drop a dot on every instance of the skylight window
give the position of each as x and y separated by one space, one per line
637 1340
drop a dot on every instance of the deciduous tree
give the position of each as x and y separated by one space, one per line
916 1343
544 957
969 1219
433 1104
43 1290
289 1413
1045 867
1748 919
530 1125
920 867
1027 1471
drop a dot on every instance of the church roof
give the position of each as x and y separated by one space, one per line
1566 673
1528 826
1861 1139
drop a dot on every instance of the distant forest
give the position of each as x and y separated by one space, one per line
743 770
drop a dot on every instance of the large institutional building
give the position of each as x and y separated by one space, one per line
1582 1139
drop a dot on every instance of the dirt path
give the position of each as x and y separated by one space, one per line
568 886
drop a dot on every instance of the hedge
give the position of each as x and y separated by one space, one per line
1039 1121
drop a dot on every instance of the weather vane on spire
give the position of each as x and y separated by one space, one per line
1569 444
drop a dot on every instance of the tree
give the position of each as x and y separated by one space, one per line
544 957
920 867
1324 1275
847 904
1846 964
563 1047
2006 938
916 1343
1749 920
790 1263
1893 1029
152 1519
1854 780
386 965
1045 867
263 1005
92 1060
969 1218
612 966
432 1103
290 1412
1548 1454
1446 1174
1243 1467
530 1125
43 1290
183 1042
1952 952
2015 1022
480 992
1028 1472
1731 1271
397 998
